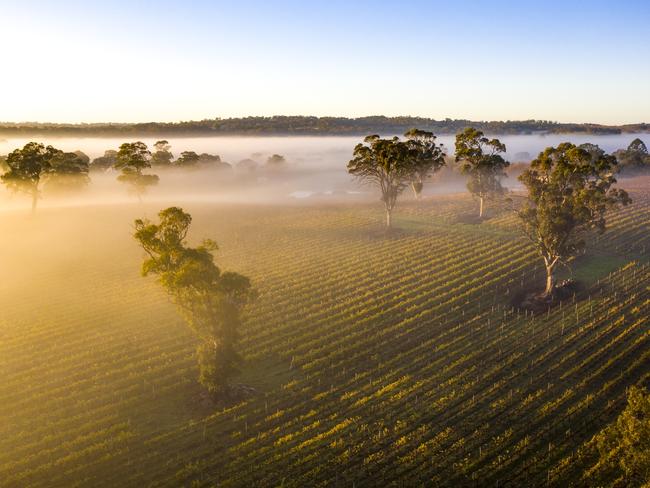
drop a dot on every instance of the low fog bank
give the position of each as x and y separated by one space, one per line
292 185
313 171
307 174
314 150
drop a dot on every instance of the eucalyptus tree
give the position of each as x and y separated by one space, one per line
104 162
187 159
85 159
26 167
210 300
635 157
570 188
213 161
483 164
162 155
623 447
35 163
430 157
276 161
131 159
386 163
68 172
205 158
246 166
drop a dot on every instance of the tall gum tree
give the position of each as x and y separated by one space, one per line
68 172
187 159
103 163
386 163
131 159
570 189
635 158
482 163
429 156
162 155
209 299
28 167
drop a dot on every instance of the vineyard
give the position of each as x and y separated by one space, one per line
377 360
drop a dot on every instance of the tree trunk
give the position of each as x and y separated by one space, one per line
480 208
388 223
34 201
415 191
550 279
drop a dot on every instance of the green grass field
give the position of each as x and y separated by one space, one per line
378 360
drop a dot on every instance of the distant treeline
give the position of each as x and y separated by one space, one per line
303 125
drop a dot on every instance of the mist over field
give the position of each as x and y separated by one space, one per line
317 150
315 169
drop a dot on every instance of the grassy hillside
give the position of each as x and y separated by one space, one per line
377 360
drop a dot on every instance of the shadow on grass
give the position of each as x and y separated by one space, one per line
584 272
164 408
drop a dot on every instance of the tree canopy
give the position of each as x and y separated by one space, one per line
276 161
68 172
310 125
482 162
392 164
162 155
132 158
635 158
187 158
209 299
210 158
34 163
246 165
623 447
104 162
429 156
569 190
386 163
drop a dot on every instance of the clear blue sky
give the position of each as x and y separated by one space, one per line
170 60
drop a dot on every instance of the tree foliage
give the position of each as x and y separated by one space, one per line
68 172
310 125
83 156
569 190
162 155
276 160
187 159
104 162
205 158
246 165
482 162
635 158
429 156
624 446
35 163
210 300
131 159
387 163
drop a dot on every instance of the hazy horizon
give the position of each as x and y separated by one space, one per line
252 115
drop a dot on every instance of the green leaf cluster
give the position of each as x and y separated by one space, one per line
210 300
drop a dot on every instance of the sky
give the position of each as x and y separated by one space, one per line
136 61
